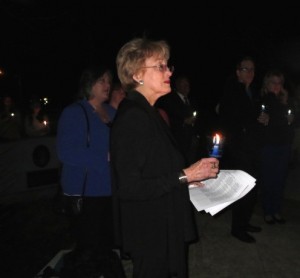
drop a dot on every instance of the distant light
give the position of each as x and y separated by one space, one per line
45 100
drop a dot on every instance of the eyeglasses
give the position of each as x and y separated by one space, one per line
162 68
246 69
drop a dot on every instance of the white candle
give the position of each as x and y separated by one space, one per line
289 113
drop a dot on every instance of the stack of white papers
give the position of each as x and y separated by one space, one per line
218 193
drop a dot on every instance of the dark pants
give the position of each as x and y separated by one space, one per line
243 157
149 265
242 211
93 229
274 169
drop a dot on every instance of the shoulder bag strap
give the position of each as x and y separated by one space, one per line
87 143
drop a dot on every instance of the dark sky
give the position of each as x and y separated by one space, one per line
45 44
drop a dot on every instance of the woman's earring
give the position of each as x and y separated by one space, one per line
141 82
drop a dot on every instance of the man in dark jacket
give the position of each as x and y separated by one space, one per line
241 120
182 116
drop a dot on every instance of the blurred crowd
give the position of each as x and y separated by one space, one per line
17 123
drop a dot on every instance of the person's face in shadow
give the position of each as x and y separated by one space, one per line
245 72
117 95
100 90
183 86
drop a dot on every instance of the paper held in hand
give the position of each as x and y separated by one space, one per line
218 193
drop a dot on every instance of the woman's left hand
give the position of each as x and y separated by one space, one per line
202 169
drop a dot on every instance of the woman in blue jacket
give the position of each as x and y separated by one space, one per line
83 148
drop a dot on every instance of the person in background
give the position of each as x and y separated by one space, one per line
36 123
241 121
180 115
116 95
276 145
295 156
149 172
83 149
10 120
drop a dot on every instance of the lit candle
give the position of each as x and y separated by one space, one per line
45 123
194 113
216 146
289 113
12 114
263 108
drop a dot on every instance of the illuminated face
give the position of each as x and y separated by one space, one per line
245 72
156 77
101 88
274 85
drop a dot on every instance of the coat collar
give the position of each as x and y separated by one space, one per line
142 101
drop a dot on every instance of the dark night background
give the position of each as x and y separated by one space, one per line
45 44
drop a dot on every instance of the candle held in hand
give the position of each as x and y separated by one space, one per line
216 146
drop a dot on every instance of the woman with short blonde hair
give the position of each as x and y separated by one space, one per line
150 174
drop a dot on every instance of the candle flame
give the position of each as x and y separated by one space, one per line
45 122
195 113
289 112
216 139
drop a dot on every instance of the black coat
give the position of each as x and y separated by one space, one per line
178 112
238 118
155 210
278 131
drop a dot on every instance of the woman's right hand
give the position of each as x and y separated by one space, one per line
204 168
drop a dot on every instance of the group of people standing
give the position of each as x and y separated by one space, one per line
258 127
132 162
16 124
149 173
